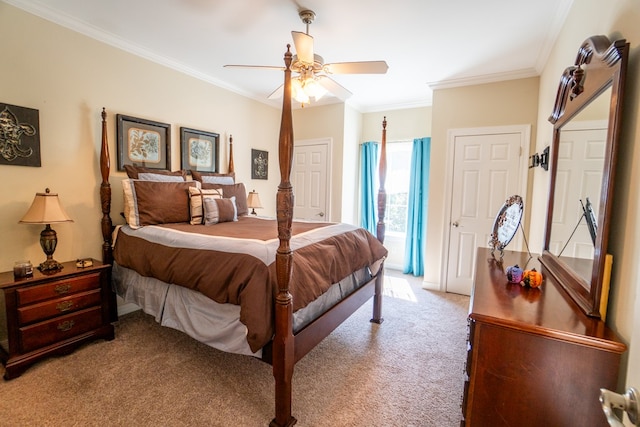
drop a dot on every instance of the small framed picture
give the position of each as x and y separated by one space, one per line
199 150
259 164
19 136
143 143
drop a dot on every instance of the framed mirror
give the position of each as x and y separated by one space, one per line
586 118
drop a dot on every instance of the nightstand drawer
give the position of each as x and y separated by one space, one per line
57 289
45 310
58 329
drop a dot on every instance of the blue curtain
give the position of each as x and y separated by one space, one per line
368 180
417 207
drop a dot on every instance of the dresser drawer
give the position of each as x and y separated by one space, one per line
60 328
57 289
51 308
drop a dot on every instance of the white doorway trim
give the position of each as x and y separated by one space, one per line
452 134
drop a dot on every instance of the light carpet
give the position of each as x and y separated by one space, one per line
406 372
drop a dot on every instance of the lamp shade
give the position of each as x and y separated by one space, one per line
45 209
253 201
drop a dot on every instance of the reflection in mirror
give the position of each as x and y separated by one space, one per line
580 164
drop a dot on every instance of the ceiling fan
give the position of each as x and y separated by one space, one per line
312 79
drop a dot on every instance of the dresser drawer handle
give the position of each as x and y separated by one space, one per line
64 306
66 325
62 289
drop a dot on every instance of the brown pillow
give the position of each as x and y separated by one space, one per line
148 174
154 202
236 190
219 210
214 177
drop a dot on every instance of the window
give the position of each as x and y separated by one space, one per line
397 186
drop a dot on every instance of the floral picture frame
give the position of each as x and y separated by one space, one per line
143 142
259 164
199 150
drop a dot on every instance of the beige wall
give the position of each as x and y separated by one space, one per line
615 19
402 125
69 78
506 103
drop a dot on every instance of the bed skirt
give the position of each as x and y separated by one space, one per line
214 324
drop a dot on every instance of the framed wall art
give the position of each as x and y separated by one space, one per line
19 136
143 143
259 164
199 150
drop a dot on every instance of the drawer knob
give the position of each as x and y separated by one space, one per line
62 289
66 325
64 306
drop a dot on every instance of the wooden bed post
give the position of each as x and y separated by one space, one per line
283 342
382 205
382 171
105 201
231 168
105 193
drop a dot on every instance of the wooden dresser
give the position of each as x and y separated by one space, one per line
534 358
52 314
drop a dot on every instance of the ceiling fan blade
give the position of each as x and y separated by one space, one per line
277 93
304 46
364 67
334 87
266 67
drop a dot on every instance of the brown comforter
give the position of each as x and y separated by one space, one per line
234 262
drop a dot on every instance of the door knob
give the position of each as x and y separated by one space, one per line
321 214
627 402
455 224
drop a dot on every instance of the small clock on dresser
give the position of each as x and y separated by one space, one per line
52 314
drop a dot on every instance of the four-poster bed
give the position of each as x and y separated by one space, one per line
287 283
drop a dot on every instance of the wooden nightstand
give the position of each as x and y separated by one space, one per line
52 314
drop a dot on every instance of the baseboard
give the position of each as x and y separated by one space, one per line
431 286
127 308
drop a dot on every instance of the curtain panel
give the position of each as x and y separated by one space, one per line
369 154
417 207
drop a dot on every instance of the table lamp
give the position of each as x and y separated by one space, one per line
253 201
46 209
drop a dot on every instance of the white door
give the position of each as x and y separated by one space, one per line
311 179
486 167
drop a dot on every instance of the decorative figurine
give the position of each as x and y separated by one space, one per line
532 278
514 274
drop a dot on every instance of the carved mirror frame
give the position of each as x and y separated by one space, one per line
600 65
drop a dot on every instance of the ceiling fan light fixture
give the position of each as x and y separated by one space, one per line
314 89
297 91
303 88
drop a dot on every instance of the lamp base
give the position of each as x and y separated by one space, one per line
50 266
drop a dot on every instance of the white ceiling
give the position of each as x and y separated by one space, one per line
426 43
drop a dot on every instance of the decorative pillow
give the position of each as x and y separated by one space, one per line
219 210
238 190
148 174
154 202
197 197
214 178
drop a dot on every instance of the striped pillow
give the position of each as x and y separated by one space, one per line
197 197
